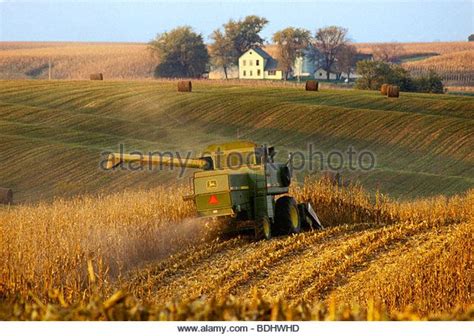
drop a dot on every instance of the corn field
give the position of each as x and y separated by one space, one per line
408 48
455 68
142 255
23 60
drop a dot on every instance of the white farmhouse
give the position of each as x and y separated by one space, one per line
255 63
322 74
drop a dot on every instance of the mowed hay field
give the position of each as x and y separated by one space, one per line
52 133
129 247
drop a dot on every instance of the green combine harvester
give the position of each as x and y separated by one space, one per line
240 181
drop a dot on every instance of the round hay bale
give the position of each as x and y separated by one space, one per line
312 85
384 89
97 76
393 91
6 196
185 86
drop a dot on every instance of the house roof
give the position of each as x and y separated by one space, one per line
322 69
272 64
261 52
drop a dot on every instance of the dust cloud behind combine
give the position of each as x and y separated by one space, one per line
170 238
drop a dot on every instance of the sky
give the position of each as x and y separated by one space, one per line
140 21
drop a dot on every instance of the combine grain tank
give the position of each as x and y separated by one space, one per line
240 181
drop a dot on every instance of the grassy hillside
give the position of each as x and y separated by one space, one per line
52 133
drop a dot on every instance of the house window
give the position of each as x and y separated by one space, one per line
257 62
258 71
251 73
320 73
244 62
250 62
245 73
271 72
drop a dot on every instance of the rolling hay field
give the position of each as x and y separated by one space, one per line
120 257
52 133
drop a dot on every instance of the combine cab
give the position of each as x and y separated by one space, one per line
240 180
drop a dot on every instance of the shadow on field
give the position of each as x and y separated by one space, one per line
38 71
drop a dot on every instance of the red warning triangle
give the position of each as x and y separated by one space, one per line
213 200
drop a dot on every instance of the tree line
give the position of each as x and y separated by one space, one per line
375 73
182 52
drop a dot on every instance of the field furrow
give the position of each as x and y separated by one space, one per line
357 251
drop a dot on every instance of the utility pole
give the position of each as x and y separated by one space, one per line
49 69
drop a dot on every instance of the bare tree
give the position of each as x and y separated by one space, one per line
346 59
222 51
388 52
328 41
290 41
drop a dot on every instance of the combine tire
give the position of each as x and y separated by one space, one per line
287 217
263 228
285 176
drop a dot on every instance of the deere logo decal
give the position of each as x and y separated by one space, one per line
211 184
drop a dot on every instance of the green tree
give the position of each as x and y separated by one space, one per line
329 41
181 53
375 73
235 39
399 76
471 38
290 41
372 74
430 83
245 34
